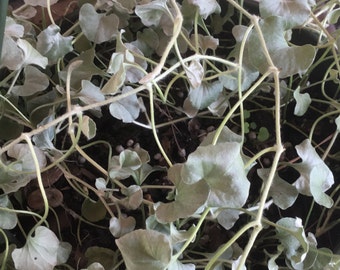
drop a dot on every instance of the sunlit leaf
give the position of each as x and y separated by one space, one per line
31 55
97 27
206 7
315 177
293 239
283 193
35 81
122 225
88 127
188 198
42 252
294 12
302 102
145 249
151 13
221 166
12 56
53 45
126 109
337 122
8 219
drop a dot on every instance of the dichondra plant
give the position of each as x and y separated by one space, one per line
69 91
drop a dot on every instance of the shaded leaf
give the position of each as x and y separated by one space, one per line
284 194
97 27
53 45
93 211
188 199
84 71
41 3
302 102
35 81
42 252
99 258
221 166
145 249
122 225
8 219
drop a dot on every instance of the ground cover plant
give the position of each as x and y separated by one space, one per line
170 134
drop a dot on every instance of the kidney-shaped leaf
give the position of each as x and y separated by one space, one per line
53 45
35 81
221 166
302 102
145 249
283 193
188 198
127 109
206 7
97 27
315 177
293 239
8 219
151 13
289 60
121 226
41 252
295 12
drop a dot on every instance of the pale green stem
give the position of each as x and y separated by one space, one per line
40 184
154 131
192 236
5 252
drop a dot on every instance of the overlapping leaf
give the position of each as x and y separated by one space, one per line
188 198
221 166
315 177
145 249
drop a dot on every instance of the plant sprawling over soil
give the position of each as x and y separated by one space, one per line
164 134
